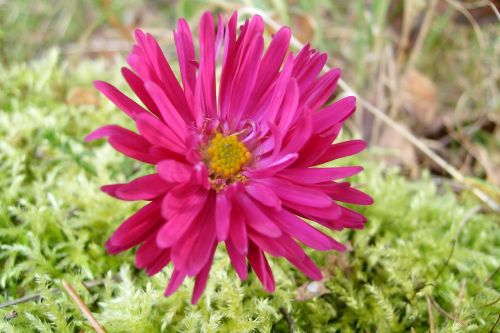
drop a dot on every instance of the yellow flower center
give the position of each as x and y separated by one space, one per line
226 155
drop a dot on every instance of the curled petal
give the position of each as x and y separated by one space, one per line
200 281
175 282
340 150
136 228
238 231
302 231
259 263
125 141
222 215
174 171
296 193
319 175
265 195
131 108
237 260
143 188
158 133
256 219
334 114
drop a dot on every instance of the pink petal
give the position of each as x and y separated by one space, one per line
334 114
318 175
256 219
309 71
271 168
159 263
302 231
137 85
238 231
182 249
181 198
175 282
131 108
161 72
200 176
279 90
227 72
200 281
136 228
174 171
292 249
299 136
308 267
350 215
297 194
319 92
352 196
289 106
219 38
125 141
158 133
206 74
269 245
271 62
147 252
263 194
185 53
259 263
143 188
200 252
245 80
340 150
170 115
177 226
222 215
313 213
237 260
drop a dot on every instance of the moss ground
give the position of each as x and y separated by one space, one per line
427 257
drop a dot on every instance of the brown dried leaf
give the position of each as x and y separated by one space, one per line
82 96
403 151
420 98
339 260
303 27
311 290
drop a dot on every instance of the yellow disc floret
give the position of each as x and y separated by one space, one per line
226 155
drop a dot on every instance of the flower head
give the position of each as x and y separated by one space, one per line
237 164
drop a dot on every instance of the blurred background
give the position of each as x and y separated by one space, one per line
426 73
431 65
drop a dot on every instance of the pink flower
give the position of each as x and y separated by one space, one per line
234 164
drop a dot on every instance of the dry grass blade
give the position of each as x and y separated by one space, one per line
431 316
417 142
83 307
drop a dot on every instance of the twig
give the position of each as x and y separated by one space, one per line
417 142
424 29
431 316
289 320
83 307
36 297
464 220
495 324
477 30
492 275
443 312
491 303
447 260
20 300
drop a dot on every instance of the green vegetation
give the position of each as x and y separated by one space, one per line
428 259
54 221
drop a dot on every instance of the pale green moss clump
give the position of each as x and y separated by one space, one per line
54 222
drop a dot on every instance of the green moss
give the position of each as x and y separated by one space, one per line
54 222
